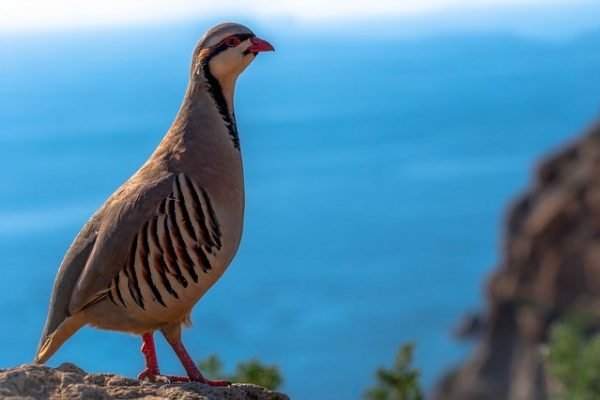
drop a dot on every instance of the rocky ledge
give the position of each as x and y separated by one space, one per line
30 381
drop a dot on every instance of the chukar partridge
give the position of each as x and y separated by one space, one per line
166 236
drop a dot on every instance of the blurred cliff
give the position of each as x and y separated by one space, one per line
550 268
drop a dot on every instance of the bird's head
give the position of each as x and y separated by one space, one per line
226 50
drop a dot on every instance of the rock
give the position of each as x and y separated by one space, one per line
31 381
469 326
550 267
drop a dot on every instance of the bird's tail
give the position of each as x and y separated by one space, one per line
53 341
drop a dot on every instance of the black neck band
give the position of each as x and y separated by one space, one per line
216 92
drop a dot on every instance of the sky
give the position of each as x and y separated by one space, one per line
32 15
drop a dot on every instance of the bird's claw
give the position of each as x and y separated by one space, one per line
215 382
200 379
147 374
154 376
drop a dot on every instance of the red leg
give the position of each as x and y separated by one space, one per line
191 369
151 371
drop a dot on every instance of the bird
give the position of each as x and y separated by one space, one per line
163 238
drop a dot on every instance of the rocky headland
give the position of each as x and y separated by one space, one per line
550 267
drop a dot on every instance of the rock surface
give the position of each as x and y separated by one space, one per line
32 381
550 267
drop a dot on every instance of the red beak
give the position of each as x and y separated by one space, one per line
259 45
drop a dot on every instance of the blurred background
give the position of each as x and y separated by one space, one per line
382 143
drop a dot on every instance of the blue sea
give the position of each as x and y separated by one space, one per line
378 174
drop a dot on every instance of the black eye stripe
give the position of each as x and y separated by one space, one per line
219 47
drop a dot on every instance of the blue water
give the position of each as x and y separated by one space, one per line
378 173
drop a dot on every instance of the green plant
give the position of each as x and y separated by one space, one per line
251 371
572 358
401 382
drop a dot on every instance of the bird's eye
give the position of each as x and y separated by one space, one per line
232 41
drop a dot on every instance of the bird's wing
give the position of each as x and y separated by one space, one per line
174 205
95 252
124 213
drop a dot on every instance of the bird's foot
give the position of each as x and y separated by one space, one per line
200 379
218 382
191 369
153 376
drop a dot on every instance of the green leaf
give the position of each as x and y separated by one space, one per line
572 357
253 371
401 382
